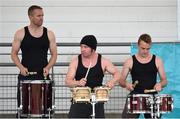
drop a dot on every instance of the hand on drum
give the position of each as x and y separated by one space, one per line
158 87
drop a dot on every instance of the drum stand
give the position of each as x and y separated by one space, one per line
49 110
19 112
53 103
93 102
19 109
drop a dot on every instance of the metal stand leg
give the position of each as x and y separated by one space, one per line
19 111
93 102
52 102
49 110
20 101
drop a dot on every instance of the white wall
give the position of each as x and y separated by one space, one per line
178 18
109 20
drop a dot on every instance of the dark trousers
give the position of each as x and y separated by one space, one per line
84 110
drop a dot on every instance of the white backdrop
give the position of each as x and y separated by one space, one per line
108 20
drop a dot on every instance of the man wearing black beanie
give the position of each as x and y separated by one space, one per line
87 69
90 41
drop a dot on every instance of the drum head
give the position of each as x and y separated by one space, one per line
37 82
81 94
102 93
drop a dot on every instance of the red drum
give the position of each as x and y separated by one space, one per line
165 102
139 103
36 98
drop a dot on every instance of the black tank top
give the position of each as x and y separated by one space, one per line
34 51
145 74
95 76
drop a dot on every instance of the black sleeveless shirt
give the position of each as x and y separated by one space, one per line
95 76
145 74
34 51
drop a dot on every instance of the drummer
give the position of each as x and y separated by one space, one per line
34 41
79 75
143 67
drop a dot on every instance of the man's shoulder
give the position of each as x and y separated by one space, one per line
21 30
130 58
19 34
51 34
49 30
74 58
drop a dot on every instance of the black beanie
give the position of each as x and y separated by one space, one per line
89 40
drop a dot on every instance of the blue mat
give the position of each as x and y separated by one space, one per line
170 54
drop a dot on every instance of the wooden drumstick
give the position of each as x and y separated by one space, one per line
32 73
45 77
135 83
85 78
149 91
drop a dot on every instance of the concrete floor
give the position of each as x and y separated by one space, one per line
110 115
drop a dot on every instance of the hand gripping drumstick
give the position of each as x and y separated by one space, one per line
149 91
85 78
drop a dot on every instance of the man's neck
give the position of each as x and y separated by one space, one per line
91 58
35 27
144 59
35 30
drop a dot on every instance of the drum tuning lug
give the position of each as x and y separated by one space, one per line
20 106
53 107
49 109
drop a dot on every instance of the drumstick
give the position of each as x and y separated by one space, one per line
45 77
32 73
135 83
44 74
149 90
87 71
